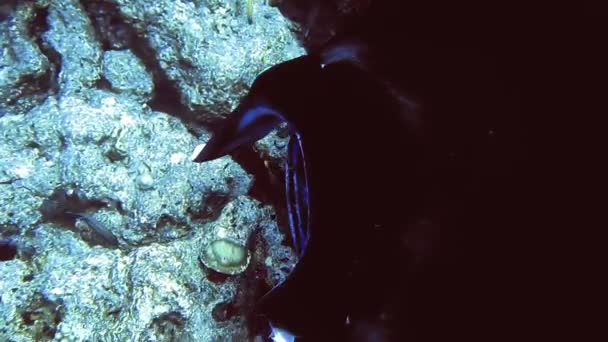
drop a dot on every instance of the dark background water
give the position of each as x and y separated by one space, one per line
509 86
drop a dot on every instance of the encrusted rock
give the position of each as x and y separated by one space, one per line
126 73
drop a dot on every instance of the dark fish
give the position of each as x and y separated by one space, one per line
348 158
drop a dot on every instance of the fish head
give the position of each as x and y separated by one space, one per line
283 92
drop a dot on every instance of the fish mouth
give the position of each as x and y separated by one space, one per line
241 128
207 152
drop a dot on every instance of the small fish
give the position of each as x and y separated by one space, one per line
98 228
64 207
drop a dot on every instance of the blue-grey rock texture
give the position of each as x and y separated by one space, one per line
126 73
199 43
25 72
101 105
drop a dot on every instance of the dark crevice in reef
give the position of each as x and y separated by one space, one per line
253 285
268 184
169 326
8 250
224 311
116 33
168 228
262 188
111 30
211 207
10 245
167 96
38 25
62 201
42 317
214 276
103 84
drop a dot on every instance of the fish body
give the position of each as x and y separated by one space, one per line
348 160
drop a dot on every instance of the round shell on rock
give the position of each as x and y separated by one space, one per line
226 256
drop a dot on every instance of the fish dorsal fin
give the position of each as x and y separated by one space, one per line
351 50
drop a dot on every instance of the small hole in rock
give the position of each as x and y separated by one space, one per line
224 311
8 250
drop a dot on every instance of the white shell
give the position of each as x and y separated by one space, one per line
226 256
